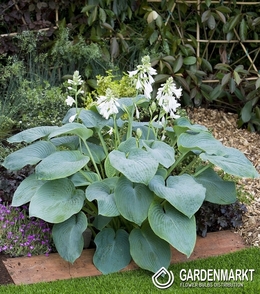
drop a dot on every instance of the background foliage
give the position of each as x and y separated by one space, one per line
118 33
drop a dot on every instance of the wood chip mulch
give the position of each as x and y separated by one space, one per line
224 128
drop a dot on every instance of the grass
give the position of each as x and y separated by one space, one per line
139 281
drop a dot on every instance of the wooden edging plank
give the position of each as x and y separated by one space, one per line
35 269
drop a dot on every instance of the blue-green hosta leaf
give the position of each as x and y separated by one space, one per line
33 134
97 152
84 178
101 221
26 190
182 192
233 162
31 154
199 141
60 164
56 201
67 236
160 151
71 142
173 226
128 145
182 124
72 128
137 165
92 119
113 250
103 192
133 200
217 190
148 250
109 169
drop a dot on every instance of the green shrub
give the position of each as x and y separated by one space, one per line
44 105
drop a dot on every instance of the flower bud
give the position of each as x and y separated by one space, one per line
139 133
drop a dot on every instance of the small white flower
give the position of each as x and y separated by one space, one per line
110 132
166 96
72 118
143 77
107 105
70 100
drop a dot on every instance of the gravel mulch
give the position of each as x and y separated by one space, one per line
224 128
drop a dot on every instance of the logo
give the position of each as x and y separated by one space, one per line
163 272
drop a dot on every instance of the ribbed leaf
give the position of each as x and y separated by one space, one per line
113 250
26 190
182 124
148 250
71 142
56 201
199 141
96 151
84 178
62 163
67 236
103 192
31 154
92 119
72 128
232 162
173 226
160 151
31 135
182 192
109 169
133 200
137 166
217 190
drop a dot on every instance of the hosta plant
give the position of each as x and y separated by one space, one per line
132 182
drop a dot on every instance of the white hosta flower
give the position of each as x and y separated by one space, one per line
72 118
110 132
107 105
70 100
76 80
143 77
166 96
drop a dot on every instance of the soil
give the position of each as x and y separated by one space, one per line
5 278
224 128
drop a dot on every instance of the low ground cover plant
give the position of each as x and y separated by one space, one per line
21 236
107 169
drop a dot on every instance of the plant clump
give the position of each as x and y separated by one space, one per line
106 169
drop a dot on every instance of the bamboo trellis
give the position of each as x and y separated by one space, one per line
199 40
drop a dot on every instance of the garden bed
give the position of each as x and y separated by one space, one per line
223 127
29 270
